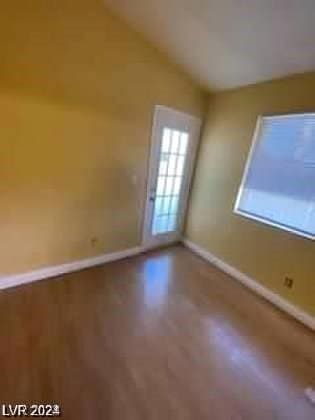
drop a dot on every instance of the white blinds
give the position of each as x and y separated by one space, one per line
278 187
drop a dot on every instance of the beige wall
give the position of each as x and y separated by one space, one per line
263 252
77 91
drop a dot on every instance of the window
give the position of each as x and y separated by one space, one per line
278 186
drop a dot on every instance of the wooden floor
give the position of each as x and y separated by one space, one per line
156 337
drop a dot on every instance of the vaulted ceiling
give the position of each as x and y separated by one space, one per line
228 43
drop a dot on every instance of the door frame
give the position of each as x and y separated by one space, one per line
153 162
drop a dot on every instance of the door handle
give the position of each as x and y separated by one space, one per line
152 198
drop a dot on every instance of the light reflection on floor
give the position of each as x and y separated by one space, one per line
239 355
156 280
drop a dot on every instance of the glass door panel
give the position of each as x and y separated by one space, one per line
170 180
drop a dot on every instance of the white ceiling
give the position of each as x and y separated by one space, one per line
228 43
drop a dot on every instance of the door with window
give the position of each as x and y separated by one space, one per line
175 137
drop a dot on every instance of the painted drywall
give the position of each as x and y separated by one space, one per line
263 252
77 93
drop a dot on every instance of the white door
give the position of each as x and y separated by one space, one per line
175 137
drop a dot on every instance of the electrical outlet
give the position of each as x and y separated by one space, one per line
93 241
288 282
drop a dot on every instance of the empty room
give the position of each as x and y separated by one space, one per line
157 209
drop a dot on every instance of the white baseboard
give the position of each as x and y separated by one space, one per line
254 285
47 272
